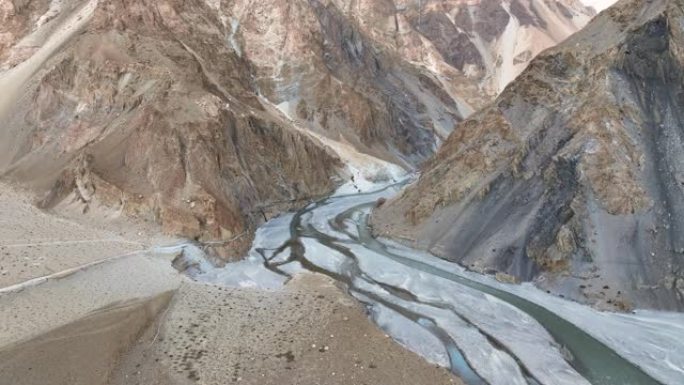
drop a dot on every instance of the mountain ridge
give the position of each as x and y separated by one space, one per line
572 177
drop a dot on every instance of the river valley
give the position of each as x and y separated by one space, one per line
485 331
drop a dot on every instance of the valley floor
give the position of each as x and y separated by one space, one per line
94 305
486 331
129 313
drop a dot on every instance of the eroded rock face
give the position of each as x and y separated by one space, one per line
320 68
209 116
392 71
574 176
492 41
147 111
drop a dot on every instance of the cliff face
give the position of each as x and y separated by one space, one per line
144 110
491 41
392 77
574 177
209 116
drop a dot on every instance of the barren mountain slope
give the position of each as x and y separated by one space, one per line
575 175
209 116
371 72
492 41
144 109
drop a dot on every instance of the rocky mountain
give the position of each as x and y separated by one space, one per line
143 109
369 71
209 116
574 176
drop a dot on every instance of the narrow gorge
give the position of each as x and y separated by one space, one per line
479 192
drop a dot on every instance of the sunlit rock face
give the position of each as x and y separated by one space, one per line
393 77
574 177
146 111
209 116
492 41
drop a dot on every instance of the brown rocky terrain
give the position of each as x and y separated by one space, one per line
310 333
574 176
209 116
145 111
86 305
371 72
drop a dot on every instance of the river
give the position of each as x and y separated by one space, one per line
486 331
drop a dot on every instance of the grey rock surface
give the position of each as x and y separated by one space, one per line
574 177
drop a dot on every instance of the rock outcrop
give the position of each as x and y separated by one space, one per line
574 177
395 72
145 110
